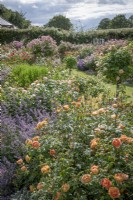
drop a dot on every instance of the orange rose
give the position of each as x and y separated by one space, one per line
93 145
36 144
86 178
45 169
101 110
28 142
36 138
27 158
95 113
66 107
41 124
120 177
52 152
97 130
105 182
114 192
65 187
121 126
123 138
40 186
23 168
32 188
19 162
78 104
58 194
114 105
94 169
129 140
116 142
73 103
114 116
58 110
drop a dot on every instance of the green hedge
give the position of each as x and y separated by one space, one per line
8 35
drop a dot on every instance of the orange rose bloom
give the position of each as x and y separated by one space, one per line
105 182
66 107
114 192
65 187
123 138
52 152
73 103
129 140
23 168
114 116
101 110
97 130
27 158
78 104
120 177
19 162
121 126
93 145
36 144
114 105
58 194
45 169
116 142
94 169
32 188
86 178
36 138
95 113
28 142
39 186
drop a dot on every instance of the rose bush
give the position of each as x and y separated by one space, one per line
89 159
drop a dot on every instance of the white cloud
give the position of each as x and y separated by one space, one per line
83 10
34 6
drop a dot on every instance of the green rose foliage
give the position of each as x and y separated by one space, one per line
117 64
69 145
70 62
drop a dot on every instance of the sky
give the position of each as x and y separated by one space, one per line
84 14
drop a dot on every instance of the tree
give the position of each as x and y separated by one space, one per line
61 22
104 24
131 21
14 17
119 21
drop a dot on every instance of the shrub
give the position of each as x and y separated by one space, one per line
84 154
116 65
70 62
43 46
24 75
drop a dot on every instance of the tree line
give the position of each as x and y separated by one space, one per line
62 22
119 21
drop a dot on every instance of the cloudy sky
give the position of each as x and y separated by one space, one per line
82 13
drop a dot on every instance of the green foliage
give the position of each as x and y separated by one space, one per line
104 24
70 62
60 22
65 153
8 35
119 21
85 52
14 17
116 65
24 75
